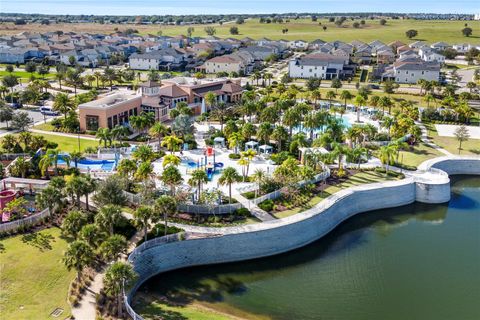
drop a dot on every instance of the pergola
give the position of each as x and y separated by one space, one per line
251 145
265 149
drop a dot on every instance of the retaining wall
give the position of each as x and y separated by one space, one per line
278 236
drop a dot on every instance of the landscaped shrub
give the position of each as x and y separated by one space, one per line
234 156
249 195
125 227
278 158
266 205
244 212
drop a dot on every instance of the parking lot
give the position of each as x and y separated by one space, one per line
35 114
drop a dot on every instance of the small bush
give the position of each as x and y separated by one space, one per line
266 205
249 195
125 227
242 212
234 156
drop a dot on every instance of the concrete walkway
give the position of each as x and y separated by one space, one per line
428 142
254 209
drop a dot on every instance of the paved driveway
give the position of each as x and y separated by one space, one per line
36 115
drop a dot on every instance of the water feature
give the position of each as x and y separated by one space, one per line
414 262
90 164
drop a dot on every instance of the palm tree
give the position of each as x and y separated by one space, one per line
119 133
76 156
338 151
118 277
228 177
22 166
49 198
111 248
386 155
359 101
97 76
264 132
171 176
89 186
210 99
268 77
199 177
54 155
291 119
345 96
249 155
127 168
280 134
330 96
165 205
144 171
62 104
234 140
385 102
428 98
104 135
111 76
78 256
171 160
142 216
172 142
158 130
256 76
91 235
60 76
108 216
143 153
316 95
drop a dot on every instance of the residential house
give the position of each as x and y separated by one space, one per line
321 66
412 70
440 46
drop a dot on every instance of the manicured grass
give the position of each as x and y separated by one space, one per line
355 180
428 30
33 280
25 76
69 144
420 153
44 126
472 146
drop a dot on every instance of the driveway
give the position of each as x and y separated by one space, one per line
36 115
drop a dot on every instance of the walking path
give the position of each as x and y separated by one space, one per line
428 142
254 209
86 309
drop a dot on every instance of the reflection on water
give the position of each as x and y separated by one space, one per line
415 262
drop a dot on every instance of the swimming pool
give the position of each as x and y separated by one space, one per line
300 128
90 164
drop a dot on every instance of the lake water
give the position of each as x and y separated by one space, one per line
413 262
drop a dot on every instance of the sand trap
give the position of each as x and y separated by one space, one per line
448 130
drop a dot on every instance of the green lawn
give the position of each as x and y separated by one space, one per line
25 76
44 126
33 280
420 153
428 30
470 147
355 180
69 144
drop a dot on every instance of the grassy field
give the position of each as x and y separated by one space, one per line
355 180
68 144
420 153
470 147
33 280
428 30
25 76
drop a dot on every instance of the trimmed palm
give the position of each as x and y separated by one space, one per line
165 205
108 216
119 277
228 177
78 256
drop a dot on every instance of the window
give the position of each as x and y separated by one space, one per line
91 123
109 123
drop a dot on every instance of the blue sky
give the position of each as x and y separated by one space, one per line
146 7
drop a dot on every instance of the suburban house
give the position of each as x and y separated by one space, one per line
412 70
226 63
440 46
430 55
14 55
461 47
109 111
385 56
164 59
321 66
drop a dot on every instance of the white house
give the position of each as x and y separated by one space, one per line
429 55
441 46
298 44
317 65
410 71
461 47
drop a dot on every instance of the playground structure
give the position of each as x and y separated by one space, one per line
204 163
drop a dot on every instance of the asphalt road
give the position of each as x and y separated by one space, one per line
36 115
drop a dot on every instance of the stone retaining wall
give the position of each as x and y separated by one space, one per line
282 235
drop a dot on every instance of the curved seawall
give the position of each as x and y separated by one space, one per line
282 235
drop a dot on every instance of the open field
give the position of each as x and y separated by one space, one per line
355 180
470 147
33 280
68 144
305 29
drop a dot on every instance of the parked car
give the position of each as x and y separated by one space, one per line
16 105
48 111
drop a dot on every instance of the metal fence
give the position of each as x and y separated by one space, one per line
25 222
193 208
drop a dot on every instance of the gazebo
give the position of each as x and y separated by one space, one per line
265 149
251 145
219 142
314 150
